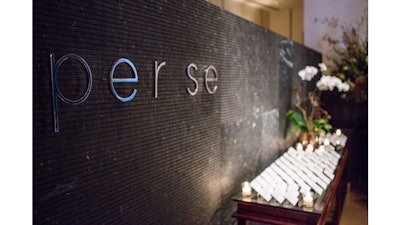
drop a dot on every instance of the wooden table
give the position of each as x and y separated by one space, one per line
255 208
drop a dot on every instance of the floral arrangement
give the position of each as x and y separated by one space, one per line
347 55
310 123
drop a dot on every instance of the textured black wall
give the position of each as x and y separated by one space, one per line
174 159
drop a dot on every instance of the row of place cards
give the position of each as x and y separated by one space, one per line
295 173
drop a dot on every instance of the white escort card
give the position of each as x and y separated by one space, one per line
315 168
315 161
321 161
277 184
289 169
310 174
263 188
282 174
301 172
297 172
330 157
330 151
292 197
329 174
328 170
329 162
291 193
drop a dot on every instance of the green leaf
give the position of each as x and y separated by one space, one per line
322 124
297 120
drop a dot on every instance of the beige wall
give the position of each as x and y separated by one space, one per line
298 25
216 2
287 22
247 11
346 11
280 22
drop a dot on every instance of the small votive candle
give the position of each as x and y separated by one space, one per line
338 132
299 147
246 189
320 149
309 148
326 142
308 200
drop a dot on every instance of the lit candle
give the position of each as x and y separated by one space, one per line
299 147
320 149
338 132
309 148
308 200
246 189
326 142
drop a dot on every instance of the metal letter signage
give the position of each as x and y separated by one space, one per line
56 93
196 84
123 80
213 79
157 69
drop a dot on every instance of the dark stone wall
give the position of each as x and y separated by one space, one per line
170 159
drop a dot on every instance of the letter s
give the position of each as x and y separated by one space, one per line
196 84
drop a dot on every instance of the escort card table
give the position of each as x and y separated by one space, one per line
283 205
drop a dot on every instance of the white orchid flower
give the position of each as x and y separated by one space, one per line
330 82
336 80
324 83
308 73
322 67
321 86
344 86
